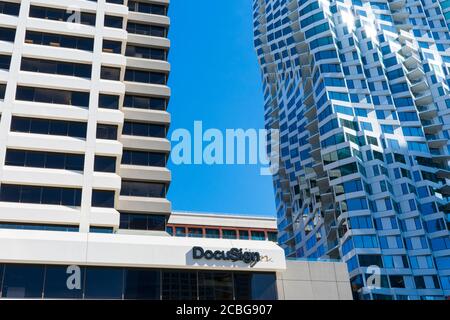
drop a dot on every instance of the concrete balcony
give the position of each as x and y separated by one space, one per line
427 112
423 98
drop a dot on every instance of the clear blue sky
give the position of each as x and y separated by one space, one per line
215 78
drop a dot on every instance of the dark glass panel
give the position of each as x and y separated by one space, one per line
215 285
62 283
103 283
142 284
179 285
23 281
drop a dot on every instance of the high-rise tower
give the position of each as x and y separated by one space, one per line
360 93
83 115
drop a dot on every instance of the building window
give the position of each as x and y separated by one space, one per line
229 234
169 230
23 281
110 73
144 129
141 158
103 199
150 8
258 235
56 67
58 40
48 160
146 52
2 91
146 103
40 195
179 285
7 34
43 227
272 236
141 76
397 281
215 286
61 15
5 62
244 235
143 189
113 22
94 229
110 46
212 233
9 8
105 164
137 221
108 101
195 233
51 127
142 284
106 131
146 29
103 283
53 96
420 282
55 286
255 286
180 232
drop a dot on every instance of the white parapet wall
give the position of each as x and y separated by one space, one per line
314 280
118 250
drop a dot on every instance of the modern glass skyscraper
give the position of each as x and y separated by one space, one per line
360 93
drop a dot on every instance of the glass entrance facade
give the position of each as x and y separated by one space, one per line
60 282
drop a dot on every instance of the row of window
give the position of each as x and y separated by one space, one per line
75 162
145 76
40 227
72 196
144 158
53 96
60 228
135 51
40 195
65 15
84 71
78 129
9 8
147 29
81 99
53 196
143 189
56 67
212 232
50 160
138 221
146 52
84 43
149 8
86 18
40 281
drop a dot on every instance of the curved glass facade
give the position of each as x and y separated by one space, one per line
360 93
